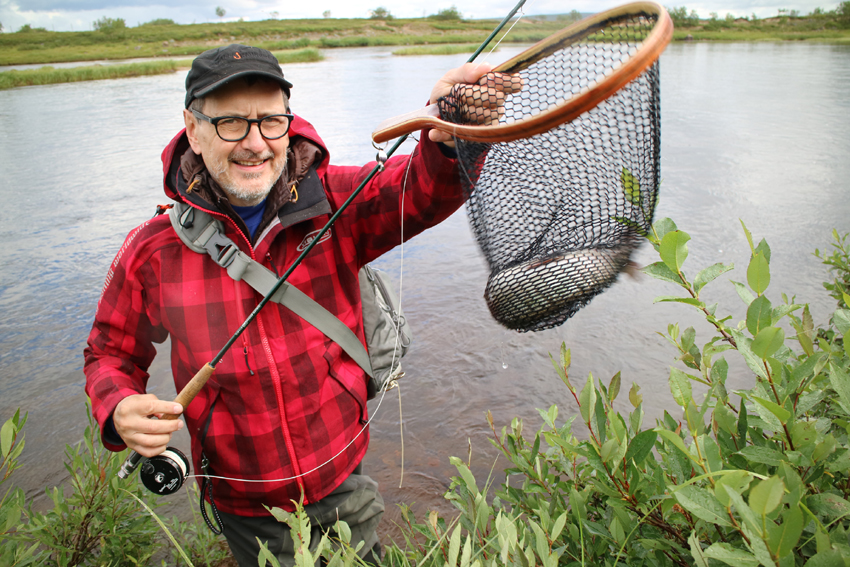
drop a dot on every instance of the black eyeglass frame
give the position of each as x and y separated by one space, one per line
258 121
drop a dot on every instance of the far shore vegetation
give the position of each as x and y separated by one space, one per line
297 41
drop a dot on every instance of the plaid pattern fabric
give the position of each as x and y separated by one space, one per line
306 399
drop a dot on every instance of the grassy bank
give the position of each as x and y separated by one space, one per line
448 49
49 75
174 40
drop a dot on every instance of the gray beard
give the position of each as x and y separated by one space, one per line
236 191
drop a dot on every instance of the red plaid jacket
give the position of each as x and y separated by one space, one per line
285 401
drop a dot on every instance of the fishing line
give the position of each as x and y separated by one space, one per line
383 393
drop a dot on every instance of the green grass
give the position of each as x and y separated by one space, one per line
448 49
49 75
168 41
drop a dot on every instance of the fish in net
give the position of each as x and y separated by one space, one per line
558 210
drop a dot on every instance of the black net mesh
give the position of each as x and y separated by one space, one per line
557 215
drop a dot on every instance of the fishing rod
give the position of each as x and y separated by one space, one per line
161 481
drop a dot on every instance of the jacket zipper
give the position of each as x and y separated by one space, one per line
276 380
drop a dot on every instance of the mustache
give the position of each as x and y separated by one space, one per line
247 155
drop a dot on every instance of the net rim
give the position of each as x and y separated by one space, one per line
651 48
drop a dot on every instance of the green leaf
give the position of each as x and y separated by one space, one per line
743 292
763 455
746 513
662 226
587 399
748 234
641 446
702 504
466 474
758 273
766 495
709 274
783 539
674 299
841 318
7 437
454 546
631 186
634 397
660 271
759 315
805 331
768 341
674 249
614 388
781 413
680 387
737 481
731 556
700 560
676 441
828 506
840 382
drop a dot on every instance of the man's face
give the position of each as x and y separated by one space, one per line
246 169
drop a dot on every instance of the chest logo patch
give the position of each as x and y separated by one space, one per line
311 237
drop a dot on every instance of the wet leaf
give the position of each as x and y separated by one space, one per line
702 504
641 446
680 387
828 506
763 455
766 495
731 556
768 341
781 413
700 560
783 539
840 382
737 481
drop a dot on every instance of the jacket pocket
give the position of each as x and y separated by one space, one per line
348 379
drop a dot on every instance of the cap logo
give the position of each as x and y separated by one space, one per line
237 56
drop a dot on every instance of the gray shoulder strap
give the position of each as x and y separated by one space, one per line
204 234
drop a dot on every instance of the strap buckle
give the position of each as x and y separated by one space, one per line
221 249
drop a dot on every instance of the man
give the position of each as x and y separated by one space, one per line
286 406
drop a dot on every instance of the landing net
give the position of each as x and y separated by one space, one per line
557 215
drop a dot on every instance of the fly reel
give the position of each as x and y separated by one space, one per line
165 473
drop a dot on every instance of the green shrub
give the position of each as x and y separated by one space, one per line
96 519
161 22
753 476
12 502
447 14
109 25
201 546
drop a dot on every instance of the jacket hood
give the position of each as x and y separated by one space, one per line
300 131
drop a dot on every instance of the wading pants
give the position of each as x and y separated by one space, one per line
356 501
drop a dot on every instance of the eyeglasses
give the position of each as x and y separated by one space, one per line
236 128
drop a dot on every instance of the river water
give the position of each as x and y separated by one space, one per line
757 132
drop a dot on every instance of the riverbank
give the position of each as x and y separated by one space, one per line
48 75
168 40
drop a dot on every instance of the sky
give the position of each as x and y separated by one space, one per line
77 15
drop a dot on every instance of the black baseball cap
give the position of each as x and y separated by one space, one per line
216 67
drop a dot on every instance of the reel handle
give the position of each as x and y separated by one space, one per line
186 395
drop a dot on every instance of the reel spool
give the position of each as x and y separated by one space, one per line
165 473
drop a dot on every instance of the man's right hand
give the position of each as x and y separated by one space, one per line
135 423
